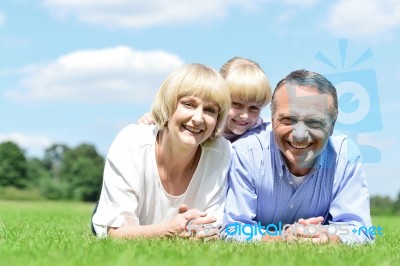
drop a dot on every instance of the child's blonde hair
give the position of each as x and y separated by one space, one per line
246 80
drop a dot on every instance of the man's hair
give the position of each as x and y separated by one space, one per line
191 80
312 80
246 80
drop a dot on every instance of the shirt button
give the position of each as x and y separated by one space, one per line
291 182
291 206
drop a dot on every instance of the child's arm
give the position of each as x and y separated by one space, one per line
145 119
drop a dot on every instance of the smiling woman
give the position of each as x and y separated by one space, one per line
159 178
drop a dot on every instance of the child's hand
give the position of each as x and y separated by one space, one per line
146 119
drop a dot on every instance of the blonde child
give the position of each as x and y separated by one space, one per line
250 92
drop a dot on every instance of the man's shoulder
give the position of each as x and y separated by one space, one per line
344 147
337 138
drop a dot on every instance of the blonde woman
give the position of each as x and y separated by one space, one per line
160 178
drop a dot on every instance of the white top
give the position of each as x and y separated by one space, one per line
298 180
132 192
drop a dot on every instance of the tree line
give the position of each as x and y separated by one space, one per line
77 174
63 172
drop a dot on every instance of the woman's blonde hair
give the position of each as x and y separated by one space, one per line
191 80
246 80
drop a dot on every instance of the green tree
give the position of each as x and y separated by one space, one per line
396 205
36 171
82 170
51 183
41 177
53 159
13 165
381 205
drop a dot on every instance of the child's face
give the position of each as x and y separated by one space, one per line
242 116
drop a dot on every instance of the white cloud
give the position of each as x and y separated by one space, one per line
2 18
292 11
117 74
303 3
34 144
352 18
138 14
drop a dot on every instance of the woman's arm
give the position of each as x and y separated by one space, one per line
177 226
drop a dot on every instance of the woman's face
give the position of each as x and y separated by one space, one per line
193 121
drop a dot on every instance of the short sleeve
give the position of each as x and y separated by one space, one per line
120 194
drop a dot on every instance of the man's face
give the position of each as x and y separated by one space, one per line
302 125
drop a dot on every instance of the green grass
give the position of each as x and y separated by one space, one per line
57 233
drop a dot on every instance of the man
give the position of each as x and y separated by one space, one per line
289 176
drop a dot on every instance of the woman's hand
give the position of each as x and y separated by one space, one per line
189 223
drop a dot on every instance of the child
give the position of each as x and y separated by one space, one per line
250 92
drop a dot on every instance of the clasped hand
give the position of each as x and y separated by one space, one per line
319 234
178 226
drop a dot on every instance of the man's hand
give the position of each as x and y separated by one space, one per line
312 220
315 232
305 230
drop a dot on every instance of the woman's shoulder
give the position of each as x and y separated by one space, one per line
218 148
219 142
137 135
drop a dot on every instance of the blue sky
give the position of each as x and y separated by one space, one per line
74 71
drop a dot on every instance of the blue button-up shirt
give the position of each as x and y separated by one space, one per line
262 190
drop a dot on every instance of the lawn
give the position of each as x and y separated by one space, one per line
58 233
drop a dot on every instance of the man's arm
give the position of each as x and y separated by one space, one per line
241 201
350 208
